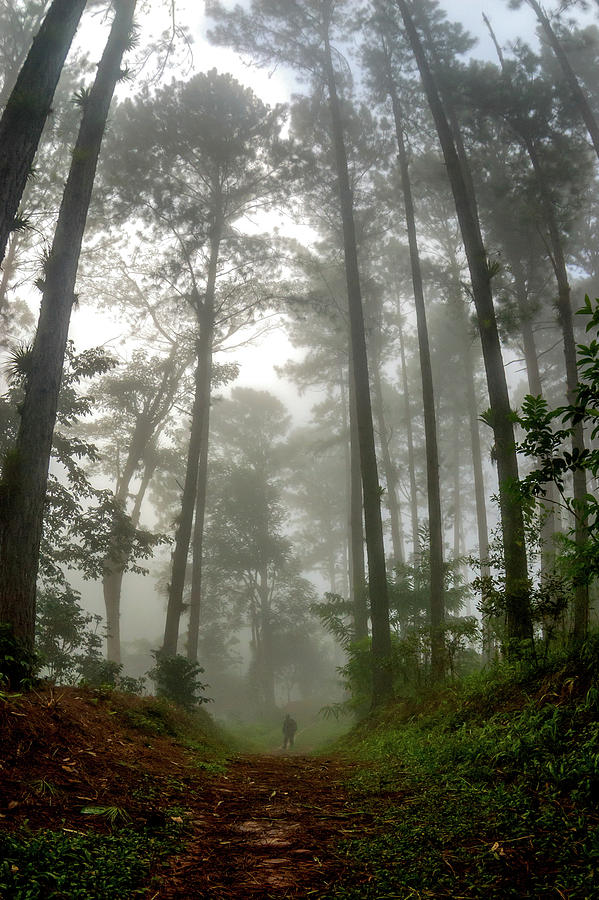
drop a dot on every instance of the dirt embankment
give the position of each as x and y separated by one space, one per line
251 826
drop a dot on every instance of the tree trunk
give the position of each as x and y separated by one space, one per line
477 468
112 582
195 601
198 440
518 620
359 592
29 104
266 670
535 387
564 307
411 455
375 548
389 471
205 367
437 585
457 488
26 472
578 94
176 587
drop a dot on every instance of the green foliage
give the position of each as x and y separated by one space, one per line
491 792
410 665
46 865
17 662
178 679
69 643
65 634
549 445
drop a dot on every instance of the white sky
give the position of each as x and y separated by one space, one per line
258 362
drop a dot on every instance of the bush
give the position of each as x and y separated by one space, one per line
177 679
97 672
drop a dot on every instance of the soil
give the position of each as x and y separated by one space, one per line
268 826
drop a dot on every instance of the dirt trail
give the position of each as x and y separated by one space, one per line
269 828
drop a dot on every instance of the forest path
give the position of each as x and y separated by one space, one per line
268 828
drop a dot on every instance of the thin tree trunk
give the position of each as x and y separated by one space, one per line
26 475
29 104
535 387
437 586
112 582
375 548
355 532
195 601
266 672
388 469
518 620
205 366
176 587
146 430
198 437
457 487
564 305
577 93
359 591
410 442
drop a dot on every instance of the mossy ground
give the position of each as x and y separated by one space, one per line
489 791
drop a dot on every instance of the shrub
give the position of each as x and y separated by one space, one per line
178 679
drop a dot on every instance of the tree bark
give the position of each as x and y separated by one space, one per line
518 619
198 438
565 318
29 104
410 441
359 591
26 470
388 469
195 601
266 670
437 584
379 600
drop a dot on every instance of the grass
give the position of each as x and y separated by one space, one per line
490 792
58 864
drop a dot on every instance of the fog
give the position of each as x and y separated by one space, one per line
266 221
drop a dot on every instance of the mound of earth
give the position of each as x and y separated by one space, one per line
251 826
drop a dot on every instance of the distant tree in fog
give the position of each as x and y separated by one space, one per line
301 35
248 550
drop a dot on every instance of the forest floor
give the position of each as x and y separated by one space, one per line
101 792
488 790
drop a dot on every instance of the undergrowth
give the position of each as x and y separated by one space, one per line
489 792
59 864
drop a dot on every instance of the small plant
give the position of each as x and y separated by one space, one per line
178 679
114 815
45 788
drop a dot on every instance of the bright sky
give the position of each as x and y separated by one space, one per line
258 365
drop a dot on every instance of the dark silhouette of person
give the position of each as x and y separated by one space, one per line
289 729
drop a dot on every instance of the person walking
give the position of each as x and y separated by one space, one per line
289 729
